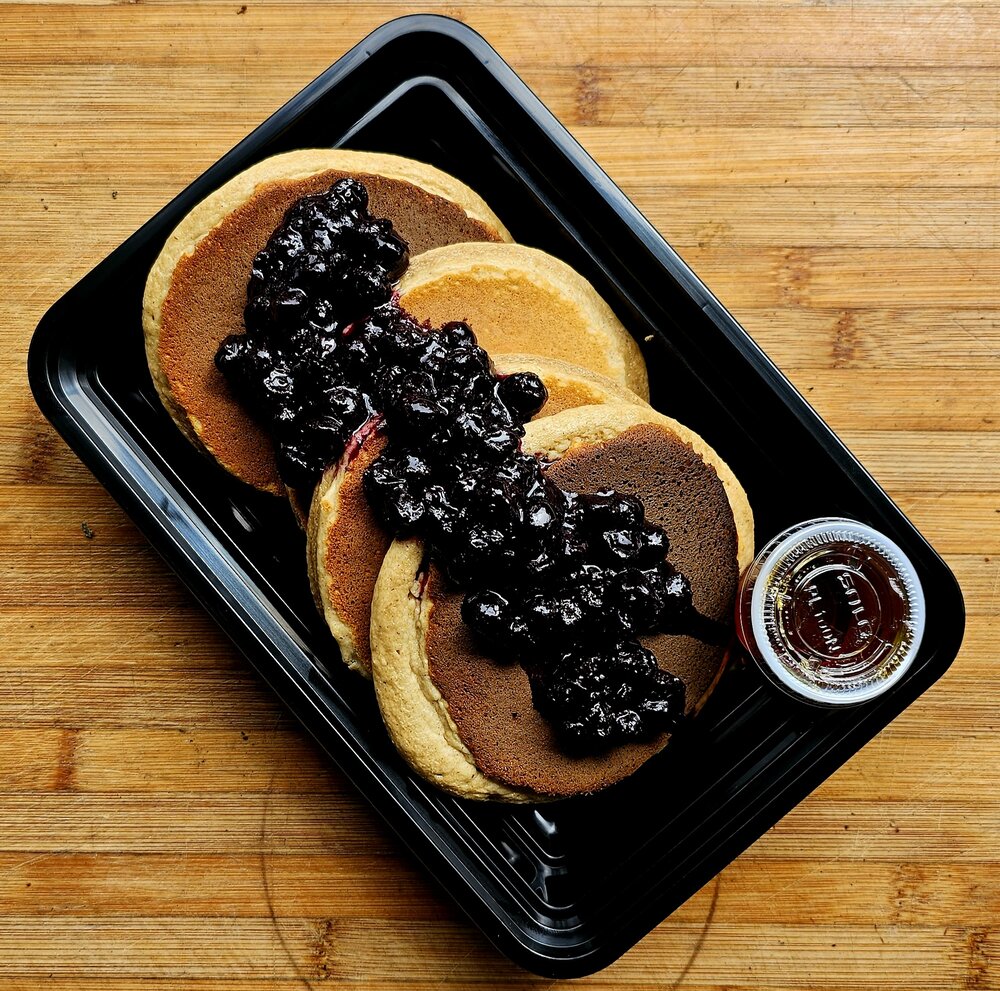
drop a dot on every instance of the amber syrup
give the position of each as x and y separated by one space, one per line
832 611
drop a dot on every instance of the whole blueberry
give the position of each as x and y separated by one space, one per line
523 393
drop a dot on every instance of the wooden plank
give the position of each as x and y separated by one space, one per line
800 156
101 576
80 982
737 956
964 37
333 822
957 522
31 450
237 885
591 93
30 759
135 696
233 699
795 96
956 459
211 760
893 831
734 213
514 6
57 513
208 760
900 340
897 764
845 278
244 886
805 215
143 634
417 954
638 158
859 398
52 642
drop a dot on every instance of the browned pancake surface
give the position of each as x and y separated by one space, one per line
490 702
208 293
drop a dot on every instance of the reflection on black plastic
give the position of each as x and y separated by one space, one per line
566 887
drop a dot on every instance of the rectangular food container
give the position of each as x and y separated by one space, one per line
562 889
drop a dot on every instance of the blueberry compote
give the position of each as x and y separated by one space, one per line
562 582
298 366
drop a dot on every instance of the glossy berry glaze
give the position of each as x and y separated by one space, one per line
562 582
299 367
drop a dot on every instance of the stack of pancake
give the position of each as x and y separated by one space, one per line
462 721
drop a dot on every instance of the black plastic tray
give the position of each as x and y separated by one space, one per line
562 889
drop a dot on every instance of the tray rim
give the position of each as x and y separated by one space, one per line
574 959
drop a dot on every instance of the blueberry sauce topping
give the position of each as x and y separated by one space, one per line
563 583
297 366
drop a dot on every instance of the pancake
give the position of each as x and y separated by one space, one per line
521 299
196 290
467 723
345 544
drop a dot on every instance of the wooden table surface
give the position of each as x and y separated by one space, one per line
830 169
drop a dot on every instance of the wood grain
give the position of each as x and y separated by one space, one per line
830 169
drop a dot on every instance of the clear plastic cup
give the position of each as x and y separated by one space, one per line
832 611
